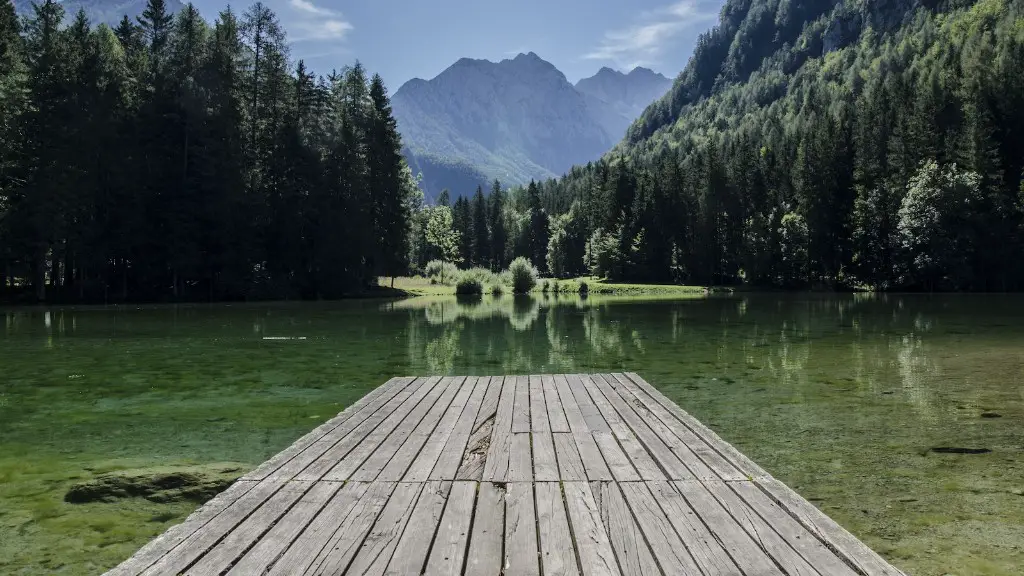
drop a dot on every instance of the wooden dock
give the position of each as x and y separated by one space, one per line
536 475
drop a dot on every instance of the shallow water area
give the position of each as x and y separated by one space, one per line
902 417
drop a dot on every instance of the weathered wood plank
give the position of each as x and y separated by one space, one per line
305 549
557 552
499 450
573 415
761 532
345 543
485 543
449 551
225 552
669 462
747 554
570 467
347 465
576 475
594 418
809 547
638 456
618 464
653 411
471 467
588 451
363 408
520 530
667 547
545 466
161 545
641 413
520 462
538 407
375 553
416 441
631 550
706 550
591 537
521 410
453 445
734 456
411 552
409 433
191 548
328 453
556 415
866 560
280 537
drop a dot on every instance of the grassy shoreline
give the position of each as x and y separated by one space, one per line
420 286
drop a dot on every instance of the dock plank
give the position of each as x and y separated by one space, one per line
449 405
305 549
227 551
556 415
275 542
363 407
410 554
499 450
449 550
454 445
641 460
521 407
375 553
402 442
557 554
545 466
627 540
591 537
574 475
345 543
538 406
487 537
520 531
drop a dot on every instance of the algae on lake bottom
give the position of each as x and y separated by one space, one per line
841 397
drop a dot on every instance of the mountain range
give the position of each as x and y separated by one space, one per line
514 120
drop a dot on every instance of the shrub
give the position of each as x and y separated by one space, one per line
584 289
524 275
472 281
497 290
468 285
545 286
441 272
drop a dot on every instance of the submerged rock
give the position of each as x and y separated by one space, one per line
957 450
162 484
991 415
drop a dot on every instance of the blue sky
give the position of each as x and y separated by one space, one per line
403 39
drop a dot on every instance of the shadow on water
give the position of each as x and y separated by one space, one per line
901 416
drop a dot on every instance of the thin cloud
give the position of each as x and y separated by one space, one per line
310 8
311 22
643 43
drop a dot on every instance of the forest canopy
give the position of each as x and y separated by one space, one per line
170 159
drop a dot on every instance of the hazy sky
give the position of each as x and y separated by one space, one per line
403 39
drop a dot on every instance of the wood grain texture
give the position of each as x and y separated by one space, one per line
573 475
449 551
557 554
486 540
520 531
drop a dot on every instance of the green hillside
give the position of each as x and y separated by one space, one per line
825 144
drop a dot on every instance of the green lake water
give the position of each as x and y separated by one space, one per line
841 397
